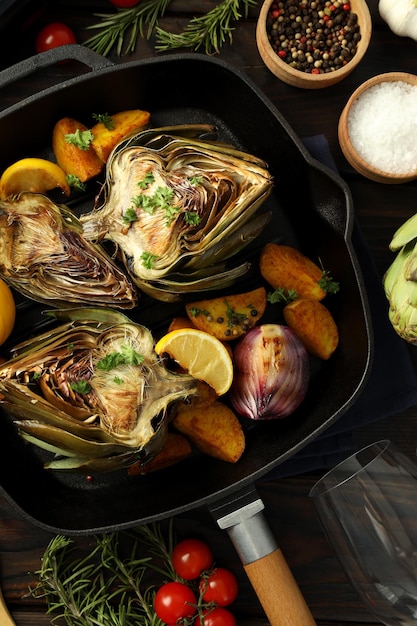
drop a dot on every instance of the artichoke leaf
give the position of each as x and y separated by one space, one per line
410 269
172 290
233 244
66 268
22 403
68 443
404 234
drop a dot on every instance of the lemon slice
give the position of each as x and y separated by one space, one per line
34 175
202 355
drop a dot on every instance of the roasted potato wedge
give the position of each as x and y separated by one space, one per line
315 326
206 395
82 163
284 267
176 449
228 317
215 431
180 322
124 123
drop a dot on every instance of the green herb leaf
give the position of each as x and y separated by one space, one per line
81 386
282 295
81 138
74 181
327 283
105 119
147 181
130 216
127 356
148 259
195 180
192 218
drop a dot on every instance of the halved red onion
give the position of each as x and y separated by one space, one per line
272 373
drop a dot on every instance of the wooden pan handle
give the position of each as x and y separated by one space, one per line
278 592
265 565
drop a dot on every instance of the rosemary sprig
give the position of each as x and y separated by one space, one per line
126 25
209 31
105 588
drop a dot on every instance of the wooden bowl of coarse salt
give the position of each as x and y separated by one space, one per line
378 128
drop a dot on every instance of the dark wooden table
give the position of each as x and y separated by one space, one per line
380 210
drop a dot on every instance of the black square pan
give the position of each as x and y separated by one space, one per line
312 209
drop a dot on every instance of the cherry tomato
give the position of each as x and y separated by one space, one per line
125 4
53 35
191 557
174 601
217 617
219 586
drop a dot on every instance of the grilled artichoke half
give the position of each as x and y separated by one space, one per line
400 281
44 255
177 206
92 391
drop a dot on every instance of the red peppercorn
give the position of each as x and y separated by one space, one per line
282 54
346 6
315 70
275 13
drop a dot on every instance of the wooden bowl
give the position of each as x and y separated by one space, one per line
297 78
356 160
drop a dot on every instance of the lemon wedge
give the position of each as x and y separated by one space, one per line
7 311
202 355
32 174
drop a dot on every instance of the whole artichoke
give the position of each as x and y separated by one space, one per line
400 281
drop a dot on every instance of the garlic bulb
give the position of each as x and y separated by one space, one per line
272 373
401 16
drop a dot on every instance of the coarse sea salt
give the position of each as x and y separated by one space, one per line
382 126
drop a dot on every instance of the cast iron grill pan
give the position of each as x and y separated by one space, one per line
311 209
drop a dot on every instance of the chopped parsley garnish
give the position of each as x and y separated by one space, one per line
81 386
148 259
195 180
233 317
81 139
74 181
192 218
118 380
147 181
282 295
130 216
327 283
105 119
195 311
127 356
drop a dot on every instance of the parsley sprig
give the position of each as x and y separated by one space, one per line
119 31
126 356
81 138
